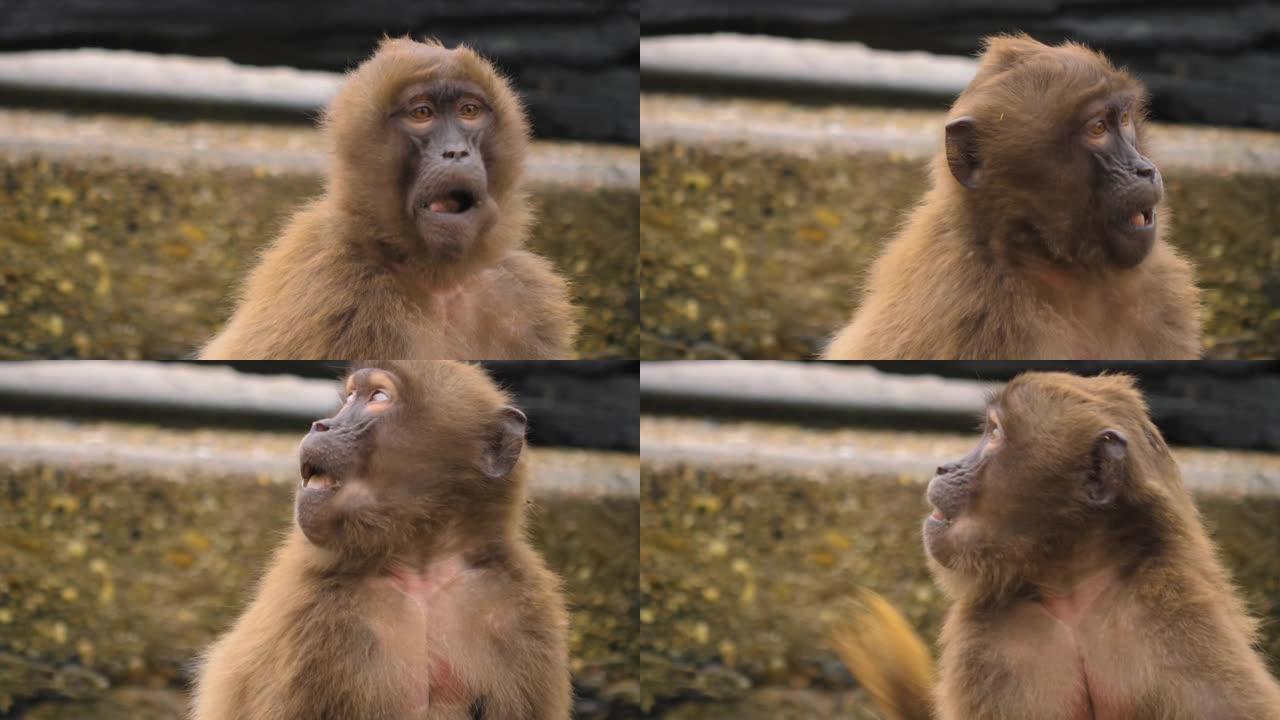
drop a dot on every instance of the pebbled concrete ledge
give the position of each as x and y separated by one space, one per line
124 237
126 548
753 534
759 217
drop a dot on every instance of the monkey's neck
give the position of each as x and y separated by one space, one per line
1068 601
1054 264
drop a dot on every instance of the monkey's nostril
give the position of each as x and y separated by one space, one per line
319 426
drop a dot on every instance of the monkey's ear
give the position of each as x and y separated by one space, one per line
962 151
506 440
1110 451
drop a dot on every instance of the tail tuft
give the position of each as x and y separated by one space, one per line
887 658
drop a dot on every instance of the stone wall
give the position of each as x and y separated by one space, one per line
1206 61
132 243
575 63
759 219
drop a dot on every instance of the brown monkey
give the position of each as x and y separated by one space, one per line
414 251
407 588
1084 584
1043 233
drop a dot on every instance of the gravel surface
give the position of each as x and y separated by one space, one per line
911 455
273 454
790 127
264 147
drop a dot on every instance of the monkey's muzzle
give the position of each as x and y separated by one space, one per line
450 202
949 495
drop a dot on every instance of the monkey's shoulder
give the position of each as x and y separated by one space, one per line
937 300
524 298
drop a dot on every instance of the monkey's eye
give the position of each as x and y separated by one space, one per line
1124 118
1097 128
469 110
379 396
421 113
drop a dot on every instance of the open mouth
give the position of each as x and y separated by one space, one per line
939 516
1143 219
453 202
314 476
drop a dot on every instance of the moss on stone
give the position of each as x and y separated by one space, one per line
743 571
107 259
115 579
755 253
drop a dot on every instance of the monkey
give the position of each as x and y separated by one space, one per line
414 251
1084 585
406 587
1043 234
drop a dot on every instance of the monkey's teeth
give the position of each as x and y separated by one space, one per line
1142 218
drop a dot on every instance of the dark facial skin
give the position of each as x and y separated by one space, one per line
1021 497
1130 184
951 489
337 451
1081 191
447 124
392 465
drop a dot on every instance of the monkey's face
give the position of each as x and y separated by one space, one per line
1123 182
429 145
447 125
1049 143
340 498
1048 466
414 449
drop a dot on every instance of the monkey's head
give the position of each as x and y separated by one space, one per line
417 452
1047 144
1063 460
429 145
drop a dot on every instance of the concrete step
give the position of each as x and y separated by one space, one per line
125 237
753 534
759 218
125 548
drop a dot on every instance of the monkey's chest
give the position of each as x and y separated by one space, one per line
429 633
1074 669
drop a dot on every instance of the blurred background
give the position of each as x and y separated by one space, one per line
149 150
782 145
139 502
772 491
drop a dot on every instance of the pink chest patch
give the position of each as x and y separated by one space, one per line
445 687
428 589
1095 701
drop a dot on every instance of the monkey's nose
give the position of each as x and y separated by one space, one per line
1144 168
455 154
319 426
944 469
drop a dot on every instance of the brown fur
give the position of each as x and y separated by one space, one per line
351 277
423 598
888 658
1085 586
1013 270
